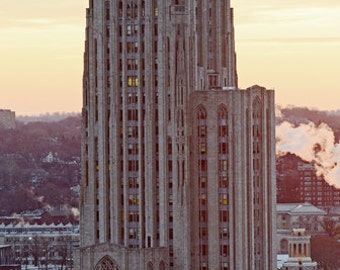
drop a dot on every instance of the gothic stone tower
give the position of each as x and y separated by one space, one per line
152 70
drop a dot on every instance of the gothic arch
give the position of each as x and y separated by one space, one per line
201 112
257 103
222 111
162 265
150 266
106 263
284 246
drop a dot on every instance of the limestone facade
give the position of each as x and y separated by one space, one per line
149 197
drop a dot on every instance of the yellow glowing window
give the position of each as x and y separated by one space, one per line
132 81
223 199
129 82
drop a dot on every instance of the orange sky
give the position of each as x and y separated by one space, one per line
290 46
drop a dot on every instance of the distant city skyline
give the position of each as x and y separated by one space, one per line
289 46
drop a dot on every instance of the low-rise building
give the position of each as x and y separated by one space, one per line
41 244
7 258
294 216
299 252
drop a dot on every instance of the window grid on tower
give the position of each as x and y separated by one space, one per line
223 187
202 187
257 184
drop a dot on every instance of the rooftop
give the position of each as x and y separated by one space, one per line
298 209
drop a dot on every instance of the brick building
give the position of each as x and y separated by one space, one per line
297 181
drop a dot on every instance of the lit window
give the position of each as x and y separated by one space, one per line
203 199
202 148
132 81
223 199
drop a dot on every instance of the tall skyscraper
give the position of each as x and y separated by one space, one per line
178 163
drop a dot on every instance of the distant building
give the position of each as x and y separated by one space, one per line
294 216
299 251
7 119
54 242
297 181
7 258
314 189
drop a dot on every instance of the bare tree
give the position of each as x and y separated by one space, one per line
25 253
325 251
63 250
46 250
331 227
35 247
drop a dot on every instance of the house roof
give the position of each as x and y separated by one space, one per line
299 209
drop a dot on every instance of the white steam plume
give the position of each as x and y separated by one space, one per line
314 144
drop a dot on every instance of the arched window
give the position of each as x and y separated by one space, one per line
106 264
201 113
284 246
162 265
150 266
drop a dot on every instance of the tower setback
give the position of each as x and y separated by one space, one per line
178 164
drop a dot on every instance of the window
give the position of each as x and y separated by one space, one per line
202 131
224 216
213 80
222 165
106 264
133 165
132 47
132 65
203 182
131 29
224 234
132 81
203 199
223 182
203 232
223 198
202 148
133 199
203 165
223 148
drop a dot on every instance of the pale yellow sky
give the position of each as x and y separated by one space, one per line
291 46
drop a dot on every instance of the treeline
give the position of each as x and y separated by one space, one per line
39 164
35 140
298 115
46 117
